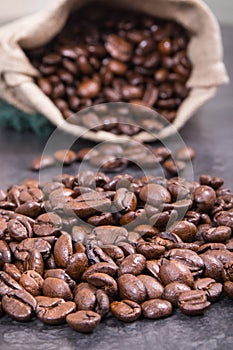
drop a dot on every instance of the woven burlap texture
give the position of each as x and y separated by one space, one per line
17 74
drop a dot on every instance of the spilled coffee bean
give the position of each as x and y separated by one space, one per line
114 245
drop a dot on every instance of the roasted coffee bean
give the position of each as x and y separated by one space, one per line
225 218
217 234
12 271
125 200
96 266
188 258
214 182
109 269
7 284
19 229
205 197
42 162
32 282
155 195
77 265
89 89
61 274
83 321
34 261
228 289
133 264
53 311
29 208
185 154
56 288
88 204
174 167
65 157
5 253
63 250
88 297
132 288
185 230
154 289
102 280
213 290
115 253
173 290
150 250
126 310
171 271
106 235
193 302
19 305
227 272
156 308
85 298
47 224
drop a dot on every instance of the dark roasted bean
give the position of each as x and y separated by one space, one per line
156 308
193 302
126 310
53 311
83 321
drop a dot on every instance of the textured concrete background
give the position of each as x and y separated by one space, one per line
11 9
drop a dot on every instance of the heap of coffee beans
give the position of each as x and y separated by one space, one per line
116 245
105 54
110 157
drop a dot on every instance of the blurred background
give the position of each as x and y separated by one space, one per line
12 9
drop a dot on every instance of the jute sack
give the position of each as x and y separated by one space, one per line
17 74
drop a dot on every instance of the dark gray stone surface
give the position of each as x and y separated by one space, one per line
210 133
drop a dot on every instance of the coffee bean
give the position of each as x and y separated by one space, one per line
228 289
109 269
89 88
126 310
188 258
132 288
63 250
83 321
185 154
56 288
19 305
133 264
154 289
32 282
173 290
45 86
102 280
65 157
171 271
5 253
96 266
185 230
156 308
193 302
155 195
77 265
213 290
225 218
227 272
53 311
43 162
12 271
205 197
88 204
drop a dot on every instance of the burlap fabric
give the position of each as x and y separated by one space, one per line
17 74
